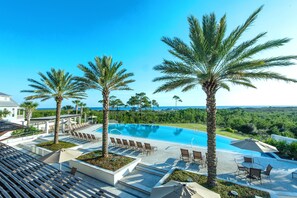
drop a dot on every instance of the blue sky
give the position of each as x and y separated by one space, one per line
37 35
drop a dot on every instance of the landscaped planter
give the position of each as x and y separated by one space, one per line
110 177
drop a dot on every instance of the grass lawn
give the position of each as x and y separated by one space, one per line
54 147
222 188
202 127
113 162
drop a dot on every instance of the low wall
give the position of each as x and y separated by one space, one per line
35 149
15 141
107 176
282 138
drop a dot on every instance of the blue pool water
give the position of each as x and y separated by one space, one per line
172 134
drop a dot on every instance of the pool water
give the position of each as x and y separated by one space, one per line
172 134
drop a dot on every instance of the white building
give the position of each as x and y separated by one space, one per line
16 114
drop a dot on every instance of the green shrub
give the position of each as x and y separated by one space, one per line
223 187
54 147
286 150
26 132
228 129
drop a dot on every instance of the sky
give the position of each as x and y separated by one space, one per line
38 35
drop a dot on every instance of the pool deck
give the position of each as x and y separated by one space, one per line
168 154
168 157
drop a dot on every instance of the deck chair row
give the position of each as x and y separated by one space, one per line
78 126
130 144
84 136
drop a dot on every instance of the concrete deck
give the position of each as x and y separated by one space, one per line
168 154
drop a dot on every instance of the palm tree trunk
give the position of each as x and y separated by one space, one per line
105 123
211 139
76 109
57 121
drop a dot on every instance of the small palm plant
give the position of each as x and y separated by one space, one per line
177 99
4 113
106 76
214 60
57 85
29 107
68 108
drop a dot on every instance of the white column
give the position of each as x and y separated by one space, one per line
63 125
46 127
79 120
85 117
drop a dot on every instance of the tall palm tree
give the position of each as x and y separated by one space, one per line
56 84
76 102
214 60
106 76
177 99
29 107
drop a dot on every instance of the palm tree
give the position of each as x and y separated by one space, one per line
154 103
82 106
68 108
76 102
118 103
29 107
4 113
106 76
177 99
56 84
214 60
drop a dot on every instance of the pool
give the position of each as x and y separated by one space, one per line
172 134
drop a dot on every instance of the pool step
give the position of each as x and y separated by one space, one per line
138 191
141 180
150 170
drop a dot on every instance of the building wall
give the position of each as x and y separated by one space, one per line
14 110
13 116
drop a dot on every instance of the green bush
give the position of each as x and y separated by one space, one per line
54 147
26 132
228 129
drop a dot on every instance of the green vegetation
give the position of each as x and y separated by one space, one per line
113 162
4 113
26 132
287 151
222 187
50 145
